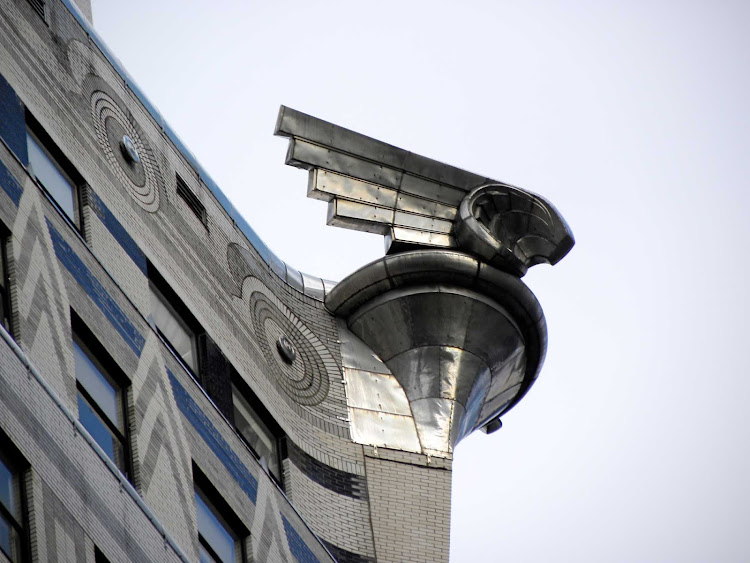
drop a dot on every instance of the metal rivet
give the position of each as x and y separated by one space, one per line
127 146
286 349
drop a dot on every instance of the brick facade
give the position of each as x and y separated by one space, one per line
338 498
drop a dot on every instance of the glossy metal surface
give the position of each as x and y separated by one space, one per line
376 392
511 228
462 341
286 349
384 430
128 149
418 202
379 411
313 287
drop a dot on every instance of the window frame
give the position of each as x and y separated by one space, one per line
159 287
223 513
14 461
240 386
84 338
6 306
191 199
63 165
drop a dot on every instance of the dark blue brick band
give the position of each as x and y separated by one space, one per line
329 477
344 556
13 121
206 430
96 292
300 551
9 184
117 231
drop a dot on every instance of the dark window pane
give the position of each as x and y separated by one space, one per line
10 514
5 535
174 329
205 556
97 385
51 177
213 532
100 432
255 432
10 540
7 488
5 531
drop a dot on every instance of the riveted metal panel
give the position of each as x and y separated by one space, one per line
385 327
422 223
426 207
329 184
433 420
384 429
413 236
352 210
304 154
458 371
356 354
375 391
431 190
418 371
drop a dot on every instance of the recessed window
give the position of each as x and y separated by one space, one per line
99 556
221 536
52 170
101 398
174 329
12 528
5 310
174 321
190 199
257 428
39 8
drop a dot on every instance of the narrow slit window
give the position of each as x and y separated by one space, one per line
190 199
40 8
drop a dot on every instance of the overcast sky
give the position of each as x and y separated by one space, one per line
632 118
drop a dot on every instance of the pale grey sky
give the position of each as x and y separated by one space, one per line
632 118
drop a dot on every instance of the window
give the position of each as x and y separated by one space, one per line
257 427
190 199
38 6
5 310
99 556
221 536
52 170
101 399
174 321
12 506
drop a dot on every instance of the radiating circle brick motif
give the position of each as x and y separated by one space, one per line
306 379
142 178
